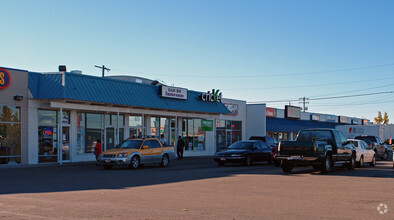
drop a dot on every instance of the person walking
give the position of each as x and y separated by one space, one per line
97 150
179 147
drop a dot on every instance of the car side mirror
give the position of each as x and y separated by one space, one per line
145 147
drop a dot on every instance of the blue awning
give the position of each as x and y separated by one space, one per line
78 87
291 125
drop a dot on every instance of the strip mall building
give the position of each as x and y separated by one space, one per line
57 117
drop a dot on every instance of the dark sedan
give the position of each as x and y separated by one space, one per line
244 152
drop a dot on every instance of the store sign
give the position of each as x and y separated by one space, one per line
5 78
292 112
215 96
270 112
315 117
206 125
233 108
331 118
342 119
173 92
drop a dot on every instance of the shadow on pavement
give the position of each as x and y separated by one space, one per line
87 176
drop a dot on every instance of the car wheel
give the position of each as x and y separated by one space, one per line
107 167
361 162
385 156
352 163
221 164
287 167
135 162
165 161
373 162
326 165
248 161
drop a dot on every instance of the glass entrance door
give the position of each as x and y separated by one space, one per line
65 144
109 138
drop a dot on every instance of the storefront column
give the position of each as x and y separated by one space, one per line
146 124
60 137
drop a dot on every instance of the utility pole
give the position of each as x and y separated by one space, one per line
303 100
103 68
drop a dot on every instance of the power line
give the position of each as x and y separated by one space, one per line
315 85
268 75
324 98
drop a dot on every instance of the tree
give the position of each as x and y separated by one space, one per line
385 118
379 119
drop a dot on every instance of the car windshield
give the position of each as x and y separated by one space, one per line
367 139
315 136
241 145
131 144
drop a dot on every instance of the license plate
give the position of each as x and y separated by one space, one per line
295 157
222 158
107 161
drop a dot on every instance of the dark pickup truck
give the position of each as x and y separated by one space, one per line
320 148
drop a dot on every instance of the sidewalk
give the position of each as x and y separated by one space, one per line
186 161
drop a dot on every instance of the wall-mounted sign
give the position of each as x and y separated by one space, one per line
331 118
215 96
292 112
173 92
206 125
270 112
315 117
342 119
5 78
233 108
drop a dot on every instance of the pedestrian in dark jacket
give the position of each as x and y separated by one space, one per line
179 147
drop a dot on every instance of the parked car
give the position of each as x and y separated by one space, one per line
377 145
137 151
272 142
245 152
319 148
364 153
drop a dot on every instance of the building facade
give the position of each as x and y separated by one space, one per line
58 117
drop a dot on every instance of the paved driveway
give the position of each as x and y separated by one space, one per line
195 188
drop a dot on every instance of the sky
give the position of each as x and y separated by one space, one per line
272 52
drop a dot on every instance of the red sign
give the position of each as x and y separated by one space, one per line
270 112
5 79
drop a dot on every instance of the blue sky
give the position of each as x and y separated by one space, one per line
256 51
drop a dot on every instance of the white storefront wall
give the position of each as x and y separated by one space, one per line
210 142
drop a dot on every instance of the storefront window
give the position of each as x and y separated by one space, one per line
165 128
155 126
193 136
227 132
81 121
10 135
47 136
135 125
93 131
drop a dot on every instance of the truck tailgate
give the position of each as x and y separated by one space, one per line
305 148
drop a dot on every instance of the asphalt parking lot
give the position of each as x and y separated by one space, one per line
196 188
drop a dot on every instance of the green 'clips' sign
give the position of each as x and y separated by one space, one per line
206 125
